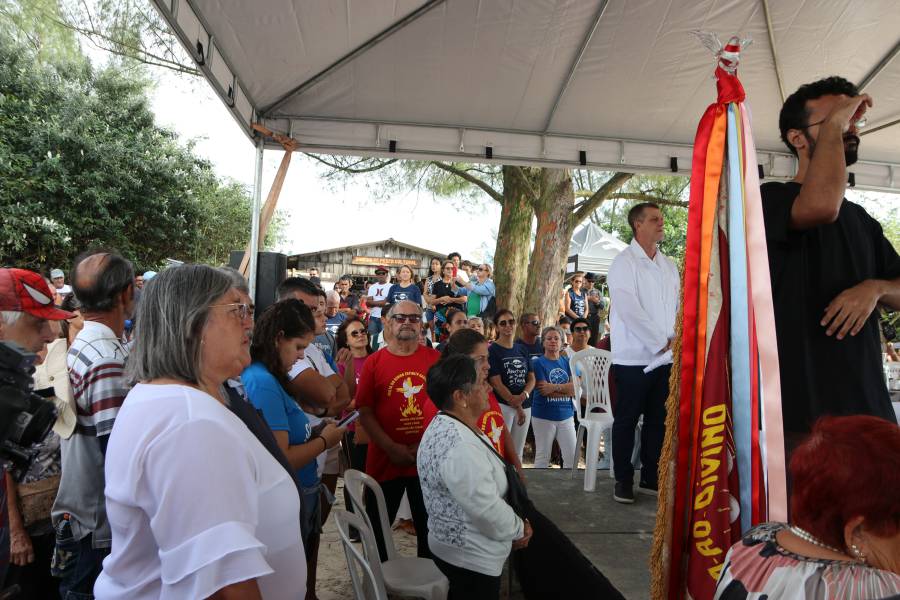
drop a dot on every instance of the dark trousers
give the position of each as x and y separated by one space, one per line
77 563
34 579
393 494
357 454
639 393
469 585
594 325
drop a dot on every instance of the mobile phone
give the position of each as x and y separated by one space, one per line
348 419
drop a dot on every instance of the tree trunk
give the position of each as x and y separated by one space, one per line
546 269
513 241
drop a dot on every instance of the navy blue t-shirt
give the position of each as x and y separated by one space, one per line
557 372
512 365
410 292
578 303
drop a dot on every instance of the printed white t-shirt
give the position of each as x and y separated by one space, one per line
378 291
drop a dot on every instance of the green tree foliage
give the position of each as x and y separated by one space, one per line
670 192
82 163
36 24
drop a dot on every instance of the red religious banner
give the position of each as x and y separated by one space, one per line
722 465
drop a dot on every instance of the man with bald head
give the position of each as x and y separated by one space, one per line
394 409
103 282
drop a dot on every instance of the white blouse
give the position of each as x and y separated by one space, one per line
195 503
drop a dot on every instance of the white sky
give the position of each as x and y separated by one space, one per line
320 217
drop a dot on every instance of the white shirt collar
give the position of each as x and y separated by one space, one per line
639 251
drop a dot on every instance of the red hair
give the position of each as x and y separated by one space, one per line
848 467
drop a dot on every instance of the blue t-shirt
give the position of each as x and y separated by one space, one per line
332 324
552 371
410 292
512 365
578 304
280 412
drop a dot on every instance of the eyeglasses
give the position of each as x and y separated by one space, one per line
506 323
581 329
860 123
357 333
578 281
481 269
242 309
411 318
535 323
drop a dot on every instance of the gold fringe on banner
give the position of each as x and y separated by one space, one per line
660 552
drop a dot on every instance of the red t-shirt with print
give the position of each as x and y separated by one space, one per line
491 424
394 388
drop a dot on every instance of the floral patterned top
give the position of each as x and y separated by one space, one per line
757 568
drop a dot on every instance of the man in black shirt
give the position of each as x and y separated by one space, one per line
830 265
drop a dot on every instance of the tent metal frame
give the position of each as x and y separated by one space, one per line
871 175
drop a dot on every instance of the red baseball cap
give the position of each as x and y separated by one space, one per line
26 291
382 268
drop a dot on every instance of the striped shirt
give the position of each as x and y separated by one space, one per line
96 362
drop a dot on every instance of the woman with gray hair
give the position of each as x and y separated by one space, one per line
197 506
553 408
471 528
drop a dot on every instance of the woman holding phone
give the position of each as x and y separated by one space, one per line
280 337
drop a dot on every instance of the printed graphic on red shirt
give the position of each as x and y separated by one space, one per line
408 384
492 425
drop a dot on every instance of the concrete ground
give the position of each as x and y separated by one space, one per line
615 537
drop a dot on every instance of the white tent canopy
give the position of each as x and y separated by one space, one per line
592 250
611 84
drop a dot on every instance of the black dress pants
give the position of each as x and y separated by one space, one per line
393 494
469 585
639 393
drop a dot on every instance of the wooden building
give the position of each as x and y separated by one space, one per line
359 261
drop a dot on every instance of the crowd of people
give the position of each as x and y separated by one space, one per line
197 445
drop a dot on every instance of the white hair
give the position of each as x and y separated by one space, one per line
10 317
332 295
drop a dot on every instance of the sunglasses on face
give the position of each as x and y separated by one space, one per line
535 323
581 329
505 323
413 318
356 333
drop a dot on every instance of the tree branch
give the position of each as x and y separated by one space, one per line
527 182
142 55
350 169
585 208
488 189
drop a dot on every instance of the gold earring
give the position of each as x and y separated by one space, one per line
858 553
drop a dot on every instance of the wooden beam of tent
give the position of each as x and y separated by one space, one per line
268 209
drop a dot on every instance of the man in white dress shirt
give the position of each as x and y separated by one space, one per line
643 289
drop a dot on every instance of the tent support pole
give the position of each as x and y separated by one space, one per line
248 265
771 33
378 38
575 63
879 67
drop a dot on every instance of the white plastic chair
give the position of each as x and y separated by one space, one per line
366 584
590 374
402 575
